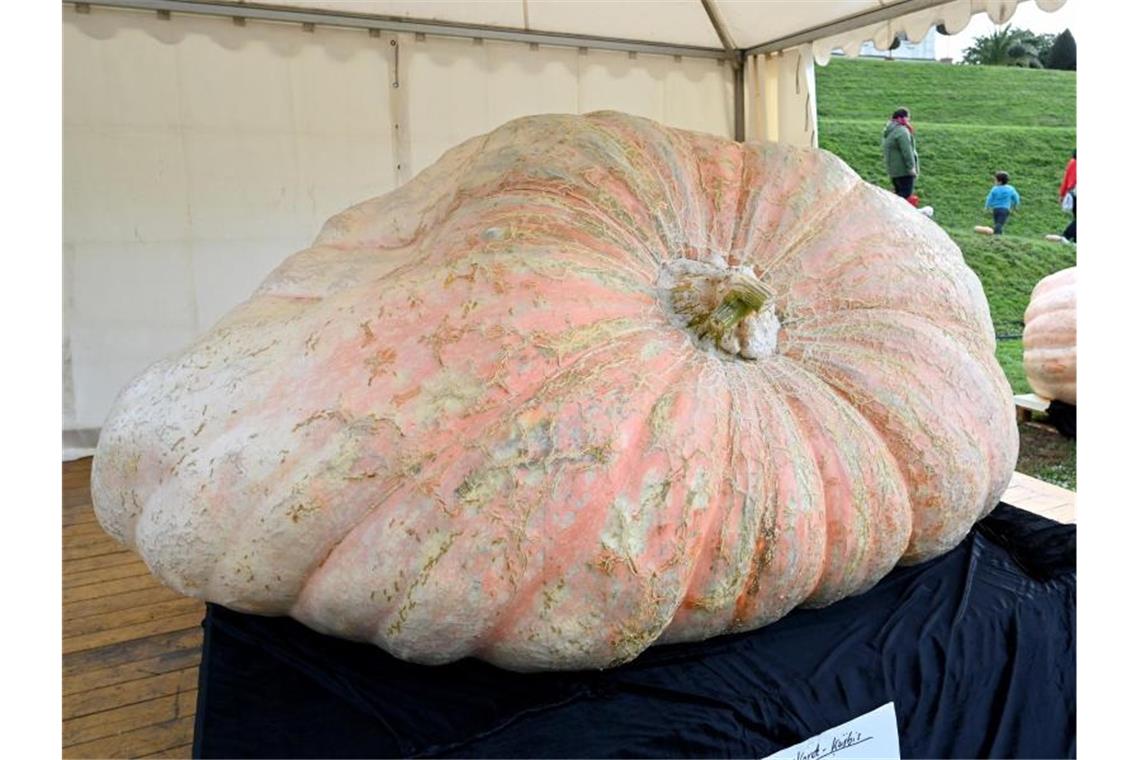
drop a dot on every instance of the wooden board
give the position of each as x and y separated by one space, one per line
130 653
137 742
1027 403
1041 498
131 647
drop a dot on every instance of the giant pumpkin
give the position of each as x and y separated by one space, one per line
1049 341
586 384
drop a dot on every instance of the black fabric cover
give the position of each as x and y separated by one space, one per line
1063 417
976 649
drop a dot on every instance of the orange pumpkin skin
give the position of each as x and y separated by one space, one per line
488 414
1049 341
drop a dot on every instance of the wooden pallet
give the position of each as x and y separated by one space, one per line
131 647
1028 403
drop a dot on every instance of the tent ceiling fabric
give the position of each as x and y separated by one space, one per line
666 21
750 23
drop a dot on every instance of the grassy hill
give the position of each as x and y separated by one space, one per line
1000 96
971 121
957 162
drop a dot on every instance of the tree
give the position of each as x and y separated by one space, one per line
1024 54
1063 54
989 50
1008 46
1045 46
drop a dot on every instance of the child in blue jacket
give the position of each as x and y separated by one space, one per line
1003 198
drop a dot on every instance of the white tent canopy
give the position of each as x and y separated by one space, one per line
205 140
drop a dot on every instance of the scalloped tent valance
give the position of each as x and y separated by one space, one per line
952 16
749 25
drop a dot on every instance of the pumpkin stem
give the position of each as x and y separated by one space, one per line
745 295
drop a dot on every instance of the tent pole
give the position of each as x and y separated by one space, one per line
718 24
738 100
730 48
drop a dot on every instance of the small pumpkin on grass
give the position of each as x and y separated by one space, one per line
586 384
1049 340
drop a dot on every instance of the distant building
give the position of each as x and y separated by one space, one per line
922 50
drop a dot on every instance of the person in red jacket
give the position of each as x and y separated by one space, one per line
1069 187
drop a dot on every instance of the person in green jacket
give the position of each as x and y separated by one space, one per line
899 153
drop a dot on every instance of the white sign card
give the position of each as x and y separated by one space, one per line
871 736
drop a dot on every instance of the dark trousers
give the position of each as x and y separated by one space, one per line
1000 216
904 186
1070 232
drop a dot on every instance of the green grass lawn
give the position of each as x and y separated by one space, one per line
971 121
937 93
957 163
1009 266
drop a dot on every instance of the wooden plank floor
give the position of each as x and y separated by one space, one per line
131 647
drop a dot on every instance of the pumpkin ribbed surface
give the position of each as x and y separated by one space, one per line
586 384
1049 341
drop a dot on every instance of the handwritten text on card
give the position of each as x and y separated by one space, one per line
871 736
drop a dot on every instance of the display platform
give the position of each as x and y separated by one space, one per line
976 649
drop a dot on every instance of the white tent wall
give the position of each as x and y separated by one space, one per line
198 154
780 103
451 89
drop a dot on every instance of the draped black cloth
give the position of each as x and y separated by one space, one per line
1063 417
975 648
